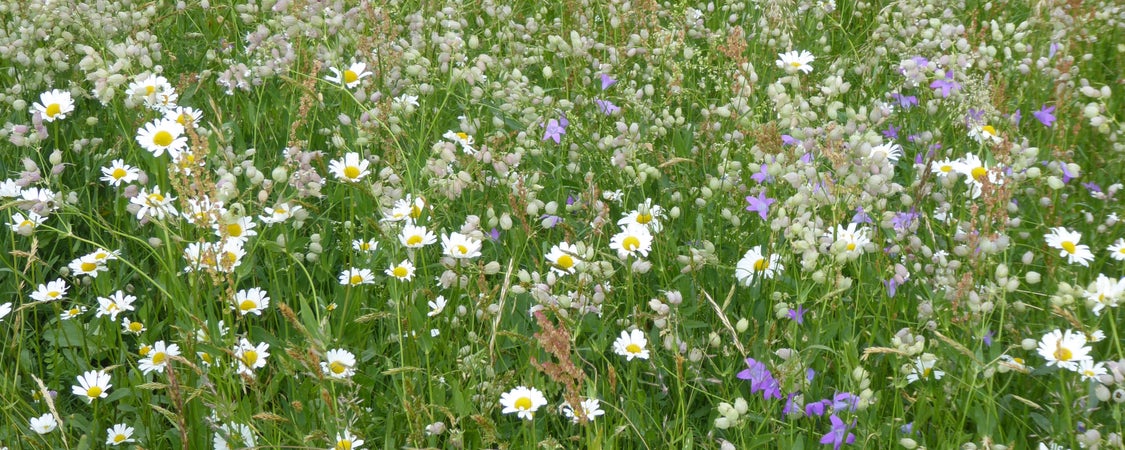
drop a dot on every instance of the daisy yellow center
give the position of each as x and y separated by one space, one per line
159 358
250 357
1018 360
415 212
111 307
351 172
279 211
523 403
631 243
979 173
926 372
462 136
206 357
644 218
337 367
183 119
364 246
135 327
350 76
989 129
89 266
1069 247
462 249
633 348
761 264
149 90
155 198
119 173
851 246
1088 373
53 294
413 240
400 272
795 64
76 311
94 392
1063 354
234 229
229 258
118 438
946 168
143 351
355 279
247 305
565 262
29 223
162 138
1122 251
53 109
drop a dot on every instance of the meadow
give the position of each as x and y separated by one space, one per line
795 224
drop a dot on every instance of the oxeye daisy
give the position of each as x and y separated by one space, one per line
154 204
415 236
351 168
923 369
590 408
985 134
92 385
119 434
1104 292
5 309
850 241
115 304
251 301
793 61
523 401
53 105
250 356
1065 350
118 173
151 89
349 77
408 208
1117 250
131 327
44 424
25 225
945 168
365 246
436 305
631 345
162 135
51 291
403 271
86 265
1066 242
347 441
1090 370
237 228
279 213
634 240
157 357
563 258
890 151
462 138
240 435
356 277
338 363
184 115
976 173
72 312
755 264
1008 362
646 214
459 246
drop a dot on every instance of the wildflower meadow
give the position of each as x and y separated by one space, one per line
621 224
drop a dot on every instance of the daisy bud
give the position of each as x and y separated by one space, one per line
1029 344
908 443
1032 277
